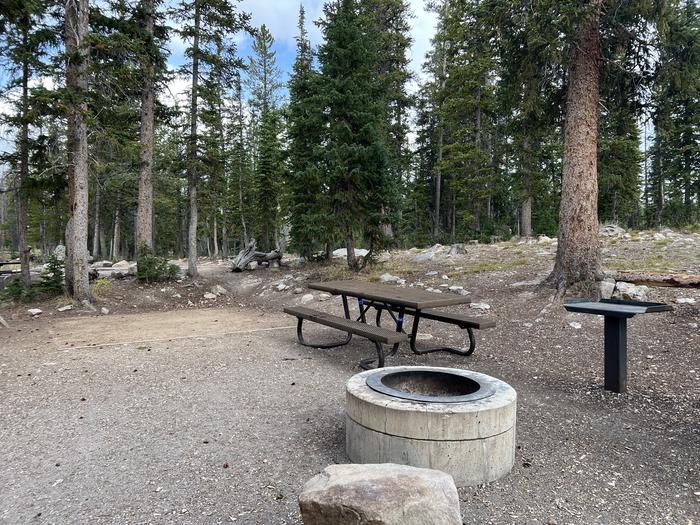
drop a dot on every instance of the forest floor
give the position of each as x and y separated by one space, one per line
175 408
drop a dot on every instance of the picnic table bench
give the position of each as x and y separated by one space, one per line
615 312
398 302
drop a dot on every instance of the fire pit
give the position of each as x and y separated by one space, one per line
457 421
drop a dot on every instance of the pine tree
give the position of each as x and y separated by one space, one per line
25 40
264 83
355 153
76 29
307 194
208 27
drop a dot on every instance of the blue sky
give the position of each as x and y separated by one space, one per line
280 16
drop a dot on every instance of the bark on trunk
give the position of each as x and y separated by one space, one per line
22 204
438 170
144 212
216 239
526 217
76 26
350 246
578 252
96 225
193 176
116 238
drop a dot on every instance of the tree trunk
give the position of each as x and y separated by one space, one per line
116 239
3 216
224 235
578 251
526 217
438 169
96 225
350 247
193 176
144 211
76 27
216 239
22 203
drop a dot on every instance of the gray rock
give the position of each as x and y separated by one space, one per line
306 298
298 291
103 264
324 296
34 312
343 252
456 249
430 274
425 257
65 308
388 278
104 311
543 239
121 265
611 230
281 287
60 252
630 292
685 300
210 296
384 494
88 305
252 265
480 306
607 287
219 290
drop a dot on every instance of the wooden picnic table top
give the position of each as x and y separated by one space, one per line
415 298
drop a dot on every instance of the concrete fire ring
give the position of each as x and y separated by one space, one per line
473 440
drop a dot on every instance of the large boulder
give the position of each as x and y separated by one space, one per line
383 494
456 249
630 292
607 288
425 257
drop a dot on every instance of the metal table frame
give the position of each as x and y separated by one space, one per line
616 313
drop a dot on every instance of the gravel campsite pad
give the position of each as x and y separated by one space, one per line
166 412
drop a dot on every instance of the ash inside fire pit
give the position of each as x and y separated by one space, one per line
428 385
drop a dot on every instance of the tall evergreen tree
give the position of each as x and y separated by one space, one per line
355 152
25 40
307 194
208 28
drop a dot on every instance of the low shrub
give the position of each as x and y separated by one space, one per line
151 268
52 277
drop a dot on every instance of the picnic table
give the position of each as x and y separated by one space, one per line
8 263
615 312
398 302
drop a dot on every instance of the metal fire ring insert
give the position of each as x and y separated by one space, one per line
429 385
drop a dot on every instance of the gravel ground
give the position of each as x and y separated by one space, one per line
216 415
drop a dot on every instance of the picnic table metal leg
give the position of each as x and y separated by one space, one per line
615 360
414 335
302 341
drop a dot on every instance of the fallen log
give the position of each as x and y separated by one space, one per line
248 255
678 280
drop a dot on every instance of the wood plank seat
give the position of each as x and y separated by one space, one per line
376 334
373 333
